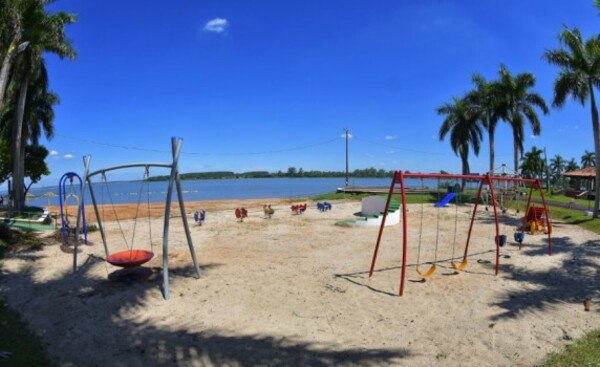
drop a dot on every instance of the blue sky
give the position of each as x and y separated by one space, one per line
265 85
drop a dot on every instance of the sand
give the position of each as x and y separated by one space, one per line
295 290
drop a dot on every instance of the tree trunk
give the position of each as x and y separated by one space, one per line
18 149
6 66
492 149
516 155
464 157
596 128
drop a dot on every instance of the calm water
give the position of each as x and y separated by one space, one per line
128 192
193 190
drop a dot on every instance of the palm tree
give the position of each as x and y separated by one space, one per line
533 164
518 105
557 167
44 32
10 41
571 165
588 159
579 64
484 99
462 123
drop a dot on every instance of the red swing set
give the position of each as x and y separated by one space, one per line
541 216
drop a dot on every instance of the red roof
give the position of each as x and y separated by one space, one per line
589 172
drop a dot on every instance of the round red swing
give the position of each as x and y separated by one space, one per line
129 258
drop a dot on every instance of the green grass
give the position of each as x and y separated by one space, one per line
15 337
585 352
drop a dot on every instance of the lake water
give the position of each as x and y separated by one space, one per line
196 190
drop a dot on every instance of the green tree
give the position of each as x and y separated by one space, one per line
579 64
588 159
557 167
571 165
43 32
291 172
485 99
461 122
533 164
518 105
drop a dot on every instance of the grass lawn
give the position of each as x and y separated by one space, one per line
27 350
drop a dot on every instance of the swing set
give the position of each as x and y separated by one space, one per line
399 178
132 257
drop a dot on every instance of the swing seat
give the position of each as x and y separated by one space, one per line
460 266
519 237
429 272
129 258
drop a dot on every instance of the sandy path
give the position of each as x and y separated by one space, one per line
294 290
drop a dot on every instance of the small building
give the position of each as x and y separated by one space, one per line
583 180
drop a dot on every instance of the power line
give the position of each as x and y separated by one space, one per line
130 147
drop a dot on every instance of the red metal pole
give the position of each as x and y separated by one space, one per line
473 218
527 210
404 233
549 222
385 212
491 184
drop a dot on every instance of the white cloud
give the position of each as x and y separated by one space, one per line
53 153
344 136
216 25
369 155
68 156
391 137
390 152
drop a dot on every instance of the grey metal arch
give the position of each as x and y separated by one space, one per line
173 182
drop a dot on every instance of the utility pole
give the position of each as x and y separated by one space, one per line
346 130
547 171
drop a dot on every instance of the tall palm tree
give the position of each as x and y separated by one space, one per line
557 167
533 164
588 159
10 40
45 33
571 165
518 105
38 115
484 99
579 64
462 124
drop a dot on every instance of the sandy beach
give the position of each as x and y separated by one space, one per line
294 290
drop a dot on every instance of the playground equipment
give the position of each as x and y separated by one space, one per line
298 209
199 217
268 211
135 257
399 179
64 194
240 214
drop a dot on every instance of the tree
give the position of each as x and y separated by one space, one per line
516 105
462 123
533 164
484 98
557 167
35 163
44 32
571 165
588 159
579 64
